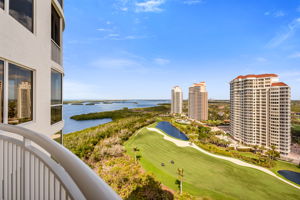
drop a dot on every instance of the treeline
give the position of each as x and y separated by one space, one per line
119 114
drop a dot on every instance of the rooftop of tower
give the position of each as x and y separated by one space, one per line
279 84
256 76
199 84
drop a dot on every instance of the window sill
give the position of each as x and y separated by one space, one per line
58 123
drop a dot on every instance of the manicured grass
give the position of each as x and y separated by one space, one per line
282 165
205 175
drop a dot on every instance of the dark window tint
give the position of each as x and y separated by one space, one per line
1 89
19 95
55 26
22 10
56 114
2 4
56 88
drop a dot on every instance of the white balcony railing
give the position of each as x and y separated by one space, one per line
48 172
56 53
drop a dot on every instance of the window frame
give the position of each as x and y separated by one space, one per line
59 35
61 91
32 30
6 95
2 95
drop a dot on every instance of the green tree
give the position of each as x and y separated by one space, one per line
256 147
272 153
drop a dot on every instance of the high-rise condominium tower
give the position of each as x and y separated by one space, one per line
260 111
198 102
176 104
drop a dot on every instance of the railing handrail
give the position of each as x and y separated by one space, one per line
90 184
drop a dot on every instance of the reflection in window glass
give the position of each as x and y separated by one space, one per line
1 89
19 95
22 11
60 2
56 97
55 26
56 88
56 114
2 4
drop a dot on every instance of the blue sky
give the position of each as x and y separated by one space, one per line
129 49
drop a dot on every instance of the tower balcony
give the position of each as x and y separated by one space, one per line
32 166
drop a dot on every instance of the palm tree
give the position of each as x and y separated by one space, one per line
180 174
272 153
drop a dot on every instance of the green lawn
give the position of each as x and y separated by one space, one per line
205 175
296 127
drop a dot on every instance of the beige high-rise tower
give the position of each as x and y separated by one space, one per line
198 102
176 102
260 111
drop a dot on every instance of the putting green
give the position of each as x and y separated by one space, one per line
203 174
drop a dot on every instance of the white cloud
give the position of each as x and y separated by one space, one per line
113 35
149 6
104 29
132 37
295 55
140 6
124 9
192 2
116 63
285 34
278 13
261 59
161 61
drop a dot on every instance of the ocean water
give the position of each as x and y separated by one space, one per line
73 125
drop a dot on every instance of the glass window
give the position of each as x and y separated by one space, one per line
56 97
56 88
1 89
60 2
2 4
56 114
19 94
22 11
55 26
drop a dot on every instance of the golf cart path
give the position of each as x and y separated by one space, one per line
182 143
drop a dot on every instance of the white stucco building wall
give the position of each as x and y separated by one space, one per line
32 50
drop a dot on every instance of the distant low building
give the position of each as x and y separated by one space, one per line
295 115
176 101
198 102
